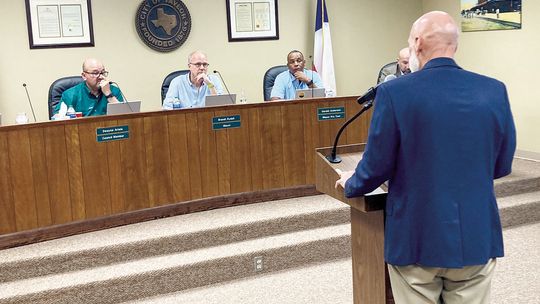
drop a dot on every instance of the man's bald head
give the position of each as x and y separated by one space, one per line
403 60
435 34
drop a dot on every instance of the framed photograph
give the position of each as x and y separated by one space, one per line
252 20
59 23
490 15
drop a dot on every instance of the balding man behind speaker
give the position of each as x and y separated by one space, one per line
440 136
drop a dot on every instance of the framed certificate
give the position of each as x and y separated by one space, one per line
252 20
59 23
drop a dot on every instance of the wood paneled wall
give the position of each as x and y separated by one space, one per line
56 172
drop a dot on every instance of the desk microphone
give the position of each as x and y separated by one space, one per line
123 96
222 80
29 101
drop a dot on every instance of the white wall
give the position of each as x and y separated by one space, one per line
510 56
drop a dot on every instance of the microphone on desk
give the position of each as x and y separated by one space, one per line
29 102
123 96
224 84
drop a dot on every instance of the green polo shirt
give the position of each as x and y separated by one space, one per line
80 98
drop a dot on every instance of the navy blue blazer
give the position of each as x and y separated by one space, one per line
440 136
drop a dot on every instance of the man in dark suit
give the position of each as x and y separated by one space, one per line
440 136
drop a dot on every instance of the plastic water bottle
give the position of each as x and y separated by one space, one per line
243 98
176 104
21 118
71 112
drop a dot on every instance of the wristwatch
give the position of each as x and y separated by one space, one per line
109 96
310 82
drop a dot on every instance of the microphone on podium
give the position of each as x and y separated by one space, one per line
30 102
371 92
367 98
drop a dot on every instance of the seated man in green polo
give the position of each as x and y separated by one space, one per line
92 95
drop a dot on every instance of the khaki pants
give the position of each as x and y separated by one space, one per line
417 285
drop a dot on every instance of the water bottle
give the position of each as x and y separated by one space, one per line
21 118
243 98
176 104
71 112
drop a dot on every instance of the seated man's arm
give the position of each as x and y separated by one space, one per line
217 89
172 94
278 90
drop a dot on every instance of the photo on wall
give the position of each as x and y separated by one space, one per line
490 15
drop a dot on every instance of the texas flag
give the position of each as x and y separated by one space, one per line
323 59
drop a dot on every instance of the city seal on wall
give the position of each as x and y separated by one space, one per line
163 25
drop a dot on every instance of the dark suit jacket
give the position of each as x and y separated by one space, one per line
440 136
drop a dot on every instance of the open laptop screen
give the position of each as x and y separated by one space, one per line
310 93
123 107
220 100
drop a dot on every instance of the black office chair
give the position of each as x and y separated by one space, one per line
167 82
387 69
269 78
58 87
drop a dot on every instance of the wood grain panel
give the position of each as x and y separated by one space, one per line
367 238
294 162
223 156
255 149
311 118
7 209
356 128
58 174
22 181
240 157
194 156
158 160
179 157
39 169
97 190
271 148
74 164
116 182
208 151
135 180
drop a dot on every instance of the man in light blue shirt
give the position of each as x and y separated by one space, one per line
296 78
192 88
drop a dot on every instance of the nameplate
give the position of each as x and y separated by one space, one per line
226 122
112 133
330 113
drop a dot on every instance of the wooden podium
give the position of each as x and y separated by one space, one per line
370 279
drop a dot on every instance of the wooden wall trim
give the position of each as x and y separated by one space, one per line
105 222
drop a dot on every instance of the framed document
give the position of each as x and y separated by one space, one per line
252 20
59 23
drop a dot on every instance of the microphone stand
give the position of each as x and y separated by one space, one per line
31 107
333 158
223 81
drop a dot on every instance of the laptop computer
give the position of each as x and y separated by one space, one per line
310 93
123 107
220 100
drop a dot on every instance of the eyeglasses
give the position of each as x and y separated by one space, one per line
96 74
200 64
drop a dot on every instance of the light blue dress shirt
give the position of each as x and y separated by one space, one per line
286 84
189 95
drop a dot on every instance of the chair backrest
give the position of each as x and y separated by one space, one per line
269 78
387 69
167 82
58 87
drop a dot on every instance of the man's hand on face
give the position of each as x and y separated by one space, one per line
301 76
202 77
105 86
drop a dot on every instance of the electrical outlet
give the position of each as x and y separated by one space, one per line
258 263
